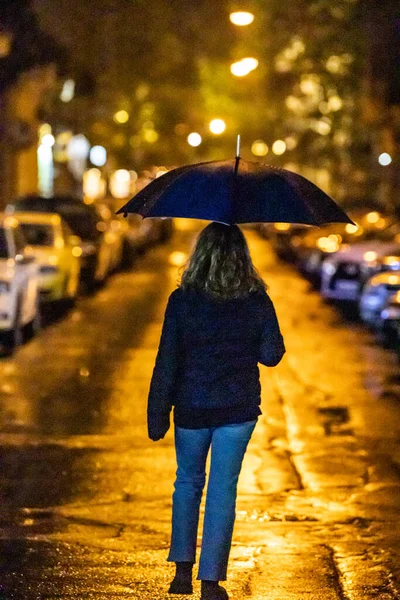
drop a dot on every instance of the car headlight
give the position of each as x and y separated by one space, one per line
372 301
328 267
4 287
370 256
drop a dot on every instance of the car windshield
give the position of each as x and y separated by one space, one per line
81 218
38 234
3 244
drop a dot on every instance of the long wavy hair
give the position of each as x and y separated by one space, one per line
221 264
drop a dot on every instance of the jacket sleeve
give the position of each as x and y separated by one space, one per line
164 376
272 346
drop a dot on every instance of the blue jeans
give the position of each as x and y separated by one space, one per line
228 446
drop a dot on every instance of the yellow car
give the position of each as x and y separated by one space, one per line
57 252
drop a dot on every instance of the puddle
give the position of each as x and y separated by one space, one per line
333 418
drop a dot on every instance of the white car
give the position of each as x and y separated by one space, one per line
113 236
19 286
342 274
57 252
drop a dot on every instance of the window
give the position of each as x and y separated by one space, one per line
38 234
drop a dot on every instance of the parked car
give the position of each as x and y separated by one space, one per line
318 244
85 222
57 251
284 237
391 316
113 231
390 262
342 274
375 296
19 286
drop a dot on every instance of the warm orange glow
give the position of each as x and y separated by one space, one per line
278 147
241 18
217 126
244 67
259 148
194 139
122 116
373 217
177 259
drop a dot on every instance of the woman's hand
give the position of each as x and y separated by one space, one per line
158 432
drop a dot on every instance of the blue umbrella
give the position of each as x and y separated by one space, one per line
236 191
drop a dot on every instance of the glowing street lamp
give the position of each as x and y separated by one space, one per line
278 147
384 159
194 139
122 116
217 126
259 148
98 156
120 183
241 18
244 67
48 140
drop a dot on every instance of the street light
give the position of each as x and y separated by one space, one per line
120 183
384 159
217 126
259 148
48 140
241 18
278 147
244 67
121 117
194 139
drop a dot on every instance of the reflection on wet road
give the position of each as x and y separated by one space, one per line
86 497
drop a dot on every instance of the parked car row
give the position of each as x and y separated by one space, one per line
54 249
350 264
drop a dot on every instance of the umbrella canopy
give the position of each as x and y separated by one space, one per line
235 191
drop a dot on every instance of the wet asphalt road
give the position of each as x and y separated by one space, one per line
86 498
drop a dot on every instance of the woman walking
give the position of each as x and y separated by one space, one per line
219 323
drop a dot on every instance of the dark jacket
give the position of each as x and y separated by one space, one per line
206 365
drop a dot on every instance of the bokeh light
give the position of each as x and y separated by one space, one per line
98 156
48 140
384 159
217 126
121 116
120 183
241 18
259 148
194 139
278 147
243 67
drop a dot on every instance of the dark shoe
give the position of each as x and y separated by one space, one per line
211 590
182 582
180 586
